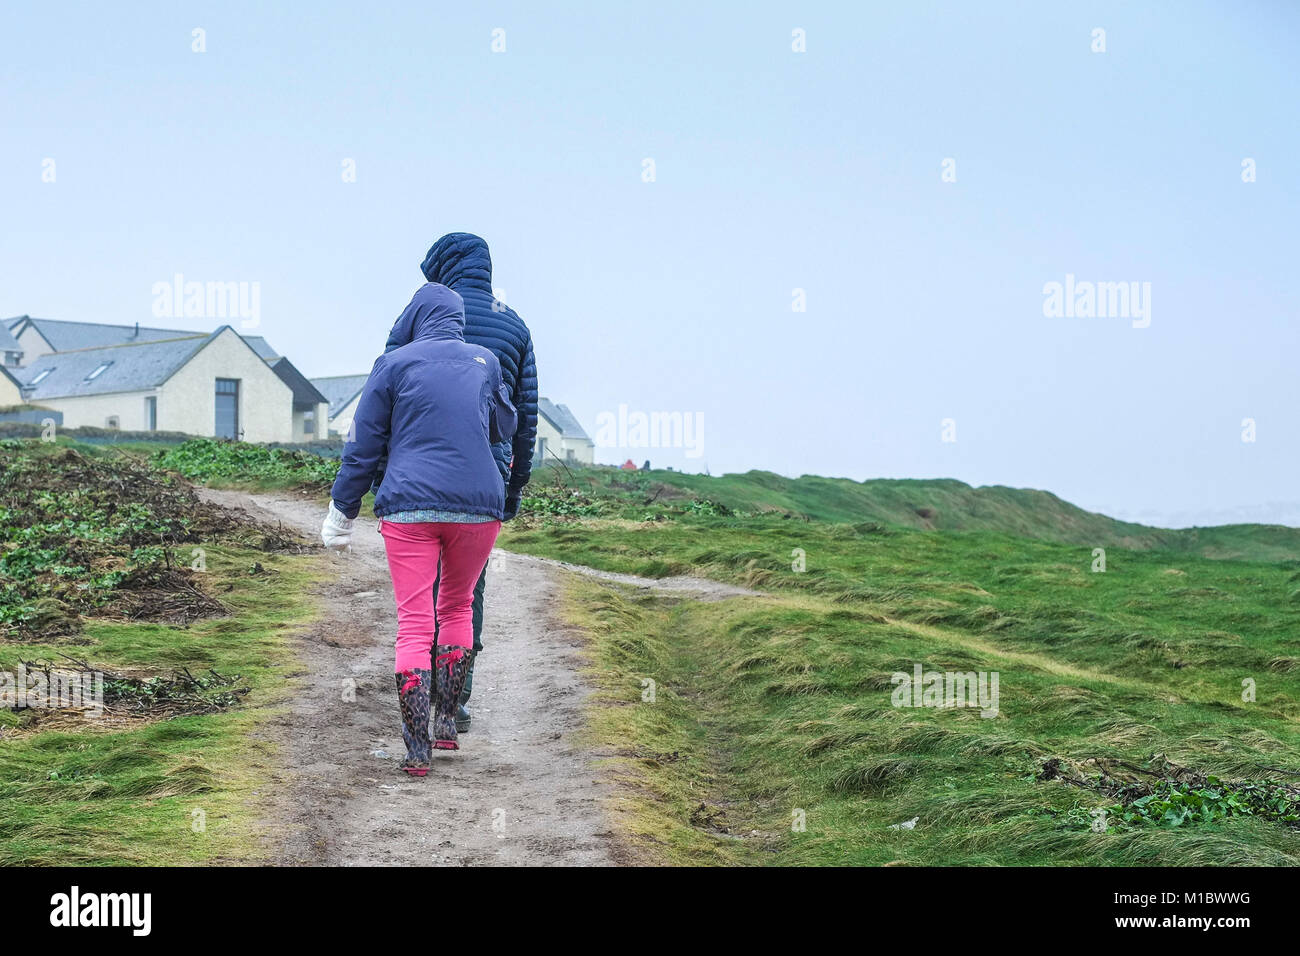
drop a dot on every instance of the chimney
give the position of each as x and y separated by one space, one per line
136 333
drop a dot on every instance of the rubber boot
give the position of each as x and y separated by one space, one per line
413 688
463 716
451 664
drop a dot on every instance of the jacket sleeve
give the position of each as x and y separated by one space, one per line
399 335
369 443
502 418
525 402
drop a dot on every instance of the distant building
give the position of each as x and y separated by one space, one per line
310 407
11 352
343 392
143 378
10 388
213 385
560 436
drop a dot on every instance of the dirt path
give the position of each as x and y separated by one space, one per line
701 589
520 792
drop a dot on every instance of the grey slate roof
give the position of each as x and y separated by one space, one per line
340 389
305 394
565 422
262 347
134 367
66 336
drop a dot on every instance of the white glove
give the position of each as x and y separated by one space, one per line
336 532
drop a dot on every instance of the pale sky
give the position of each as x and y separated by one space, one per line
774 170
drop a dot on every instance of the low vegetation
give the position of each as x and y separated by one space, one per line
85 532
111 569
237 464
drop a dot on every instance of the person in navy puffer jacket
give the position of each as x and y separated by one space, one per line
461 261
435 406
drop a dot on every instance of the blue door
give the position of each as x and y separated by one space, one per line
228 408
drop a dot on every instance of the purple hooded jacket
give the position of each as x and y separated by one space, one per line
435 406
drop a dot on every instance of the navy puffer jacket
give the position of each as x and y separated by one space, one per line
436 405
460 261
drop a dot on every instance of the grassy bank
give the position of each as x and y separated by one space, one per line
99 574
940 504
777 712
772 738
133 791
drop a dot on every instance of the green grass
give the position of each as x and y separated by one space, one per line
104 794
94 542
782 704
933 504
242 465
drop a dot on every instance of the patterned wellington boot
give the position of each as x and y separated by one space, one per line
450 664
463 716
413 688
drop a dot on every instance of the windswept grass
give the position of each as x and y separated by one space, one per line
772 738
126 787
777 712
940 504
164 792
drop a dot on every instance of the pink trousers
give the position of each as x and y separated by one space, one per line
414 551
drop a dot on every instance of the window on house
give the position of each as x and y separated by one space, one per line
40 376
309 423
99 370
112 422
151 413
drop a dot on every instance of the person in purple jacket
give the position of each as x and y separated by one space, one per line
435 407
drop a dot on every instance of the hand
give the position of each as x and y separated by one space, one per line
336 531
512 506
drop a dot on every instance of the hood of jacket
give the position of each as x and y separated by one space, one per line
459 260
435 312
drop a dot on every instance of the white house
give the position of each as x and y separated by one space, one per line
218 384
213 385
343 393
560 436
310 407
